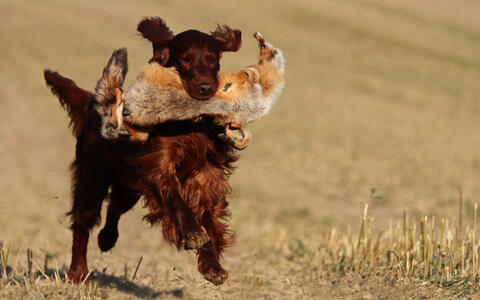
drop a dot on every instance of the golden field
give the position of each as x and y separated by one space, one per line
380 108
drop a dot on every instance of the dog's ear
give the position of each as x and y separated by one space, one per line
156 30
228 39
160 55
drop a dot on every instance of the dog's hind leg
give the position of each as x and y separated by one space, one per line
121 201
87 203
91 180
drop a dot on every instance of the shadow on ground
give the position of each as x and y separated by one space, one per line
119 283
129 287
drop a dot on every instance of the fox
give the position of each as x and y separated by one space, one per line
157 96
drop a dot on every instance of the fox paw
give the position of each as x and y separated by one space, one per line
236 135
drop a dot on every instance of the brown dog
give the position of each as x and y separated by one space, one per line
181 171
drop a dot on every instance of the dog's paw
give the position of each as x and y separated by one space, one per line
107 239
78 274
195 240
215 274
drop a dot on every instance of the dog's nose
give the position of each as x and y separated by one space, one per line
205 89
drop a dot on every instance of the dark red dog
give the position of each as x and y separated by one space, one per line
194 54
182 171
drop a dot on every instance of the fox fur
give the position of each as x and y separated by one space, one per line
157 96
105 91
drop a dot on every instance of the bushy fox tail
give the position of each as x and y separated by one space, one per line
113 77
73 99
106 93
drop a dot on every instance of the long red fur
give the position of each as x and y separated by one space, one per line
182 172
74 99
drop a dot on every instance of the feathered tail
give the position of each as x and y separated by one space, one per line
73 99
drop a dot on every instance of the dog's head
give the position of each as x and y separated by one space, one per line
195 55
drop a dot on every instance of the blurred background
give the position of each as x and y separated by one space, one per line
381 106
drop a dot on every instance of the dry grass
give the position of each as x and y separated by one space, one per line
441 254
381 108
414 258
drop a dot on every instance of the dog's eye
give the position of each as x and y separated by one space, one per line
186 60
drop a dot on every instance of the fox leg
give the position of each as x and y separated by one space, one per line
239 136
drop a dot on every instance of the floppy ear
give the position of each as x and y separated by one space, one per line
155 30
160 55
228 39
